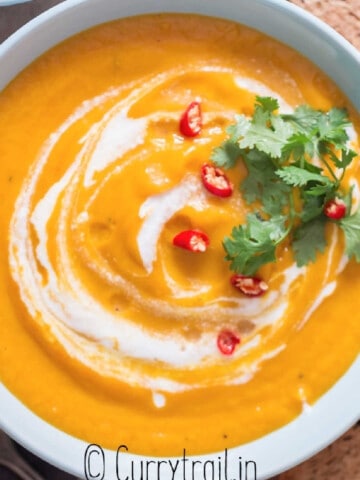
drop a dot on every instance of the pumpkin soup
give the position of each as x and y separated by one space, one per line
121 321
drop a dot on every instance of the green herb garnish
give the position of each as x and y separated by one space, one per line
296 163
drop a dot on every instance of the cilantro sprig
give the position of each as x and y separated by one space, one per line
295 163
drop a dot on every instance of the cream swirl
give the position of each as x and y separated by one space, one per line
59 267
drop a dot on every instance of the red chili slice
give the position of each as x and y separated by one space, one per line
227 341
250 286
215 181
335 209
193 240
191 120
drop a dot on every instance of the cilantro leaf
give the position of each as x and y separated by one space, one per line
332 127
304 118
266 131
262 183
253 244
347 156
226 154
298 146
350 225
298 177
327 189
312 207
239 128
260 173
267 104
309 238
265 139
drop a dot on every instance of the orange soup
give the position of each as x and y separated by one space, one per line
109 331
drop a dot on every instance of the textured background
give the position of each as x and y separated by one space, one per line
340 461
343 15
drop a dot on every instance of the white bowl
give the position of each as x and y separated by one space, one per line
5 3
339 408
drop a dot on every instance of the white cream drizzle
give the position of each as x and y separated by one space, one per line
259 88
328 290
159 400
158 209
119 136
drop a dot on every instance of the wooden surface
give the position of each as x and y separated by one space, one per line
342 15
340 461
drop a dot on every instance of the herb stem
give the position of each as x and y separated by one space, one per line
331 171
342 175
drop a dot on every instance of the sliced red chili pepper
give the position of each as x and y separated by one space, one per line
215 181
227 341
191 120
335 209
193 240
250 286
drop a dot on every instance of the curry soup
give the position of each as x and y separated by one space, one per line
108 330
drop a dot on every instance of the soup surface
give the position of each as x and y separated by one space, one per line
108 330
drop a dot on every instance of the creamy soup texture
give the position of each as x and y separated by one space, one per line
108 331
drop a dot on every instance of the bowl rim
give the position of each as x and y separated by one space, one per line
289 445
6 3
